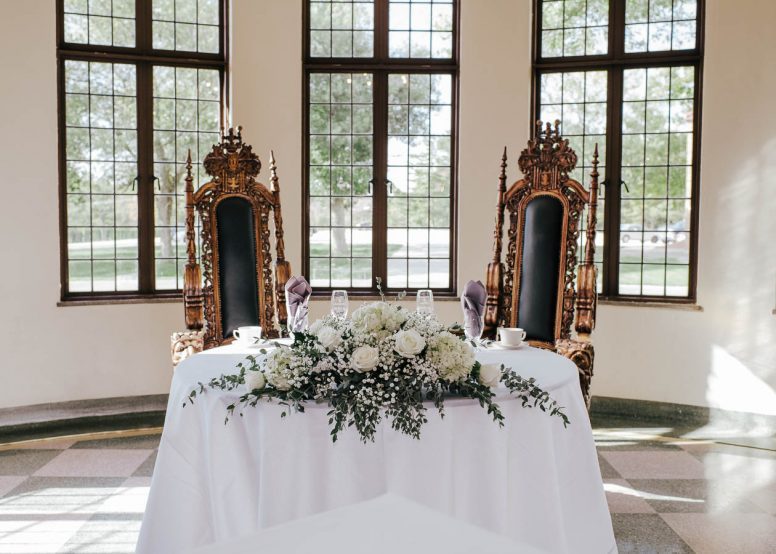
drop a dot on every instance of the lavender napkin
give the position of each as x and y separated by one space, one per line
473 304
298 292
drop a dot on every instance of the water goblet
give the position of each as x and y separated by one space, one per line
425 302
339 303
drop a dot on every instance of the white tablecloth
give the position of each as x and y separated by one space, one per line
532 480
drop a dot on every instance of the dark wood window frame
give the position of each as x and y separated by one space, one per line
380 65
144 57
615 62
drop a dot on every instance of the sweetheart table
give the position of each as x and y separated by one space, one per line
531 480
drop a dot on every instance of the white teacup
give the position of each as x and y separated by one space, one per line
247 335
511 336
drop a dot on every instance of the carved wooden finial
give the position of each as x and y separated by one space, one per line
191 243
586 281
275 189
502 189
282 266
494 278
192 276
592 221
273 172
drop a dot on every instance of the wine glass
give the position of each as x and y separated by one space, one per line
425 302
339 303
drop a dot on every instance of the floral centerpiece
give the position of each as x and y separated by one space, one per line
383 362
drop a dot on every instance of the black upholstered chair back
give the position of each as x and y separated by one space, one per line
539 267
237 264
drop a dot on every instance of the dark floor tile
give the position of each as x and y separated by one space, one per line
646 534
38 483
25 462
146 469
62 498
607 471
140 441
694 496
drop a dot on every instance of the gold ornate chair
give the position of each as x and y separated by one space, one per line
535 290
235 285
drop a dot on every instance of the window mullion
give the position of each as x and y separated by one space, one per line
613 178
380 175
145 191
143 25
616 28
380 30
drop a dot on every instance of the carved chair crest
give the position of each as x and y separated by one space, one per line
235 270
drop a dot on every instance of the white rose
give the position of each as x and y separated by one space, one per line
329 338
365 358
409 343
490 375
255 380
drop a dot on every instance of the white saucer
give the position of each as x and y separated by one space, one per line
240 344
508 347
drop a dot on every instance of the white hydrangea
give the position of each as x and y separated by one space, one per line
379 319
278 368
392 316
452 357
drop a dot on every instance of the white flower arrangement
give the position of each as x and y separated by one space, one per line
384 361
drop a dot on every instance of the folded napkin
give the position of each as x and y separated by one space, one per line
473 304
298 292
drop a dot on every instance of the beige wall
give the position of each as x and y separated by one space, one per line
723 356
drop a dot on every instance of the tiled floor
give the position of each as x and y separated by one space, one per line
87 494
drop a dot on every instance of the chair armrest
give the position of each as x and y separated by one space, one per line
185 344
582 353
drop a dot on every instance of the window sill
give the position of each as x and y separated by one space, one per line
438 297
106 301
684 306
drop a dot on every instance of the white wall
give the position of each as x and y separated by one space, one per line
723 356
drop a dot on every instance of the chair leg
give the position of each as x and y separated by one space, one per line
185 344
583 356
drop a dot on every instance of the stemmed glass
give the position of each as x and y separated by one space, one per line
339 303
425 302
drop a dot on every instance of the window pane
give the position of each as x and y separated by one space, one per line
340 174
186 117
419 173
658 25
101 165
657 155
186 25
574 28
578 101
100 22
420 29
342 29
